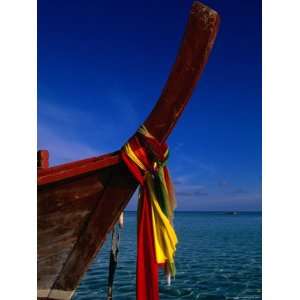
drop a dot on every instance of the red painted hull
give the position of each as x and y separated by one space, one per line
79 202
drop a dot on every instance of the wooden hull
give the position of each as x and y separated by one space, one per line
79 202
74 216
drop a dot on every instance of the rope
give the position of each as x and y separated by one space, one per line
113 259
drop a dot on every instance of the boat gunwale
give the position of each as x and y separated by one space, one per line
76 168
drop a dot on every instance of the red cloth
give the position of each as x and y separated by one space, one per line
147 287
147 269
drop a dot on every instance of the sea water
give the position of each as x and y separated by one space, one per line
218 257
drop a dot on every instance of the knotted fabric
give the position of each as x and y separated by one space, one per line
146 159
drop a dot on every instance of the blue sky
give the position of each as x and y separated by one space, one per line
101 68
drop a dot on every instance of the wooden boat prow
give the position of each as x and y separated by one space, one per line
79 202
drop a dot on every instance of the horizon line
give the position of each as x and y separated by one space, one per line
207 210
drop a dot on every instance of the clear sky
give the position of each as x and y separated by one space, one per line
101 68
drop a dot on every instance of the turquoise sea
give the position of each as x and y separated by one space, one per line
218 257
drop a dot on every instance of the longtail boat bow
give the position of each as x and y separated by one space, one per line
79 202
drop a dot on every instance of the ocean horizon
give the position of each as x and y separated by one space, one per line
218 257
208 211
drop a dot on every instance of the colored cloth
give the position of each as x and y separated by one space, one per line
146 159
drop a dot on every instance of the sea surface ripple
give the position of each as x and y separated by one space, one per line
218 257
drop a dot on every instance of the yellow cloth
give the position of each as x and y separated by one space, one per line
165 238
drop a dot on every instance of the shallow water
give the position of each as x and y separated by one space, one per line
218 257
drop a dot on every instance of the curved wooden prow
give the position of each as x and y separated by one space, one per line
79 202
198 40
195 48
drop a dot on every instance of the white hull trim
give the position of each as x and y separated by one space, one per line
55 294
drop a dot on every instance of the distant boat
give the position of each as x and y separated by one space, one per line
79 202
231 213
